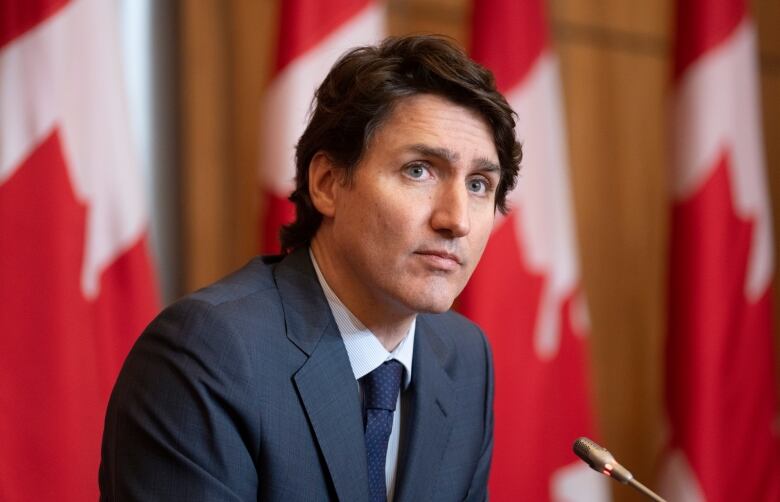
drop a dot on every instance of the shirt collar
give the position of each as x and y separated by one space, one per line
365 351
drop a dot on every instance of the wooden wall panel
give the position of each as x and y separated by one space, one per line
446 17
767 15
770 87
615 106
226 50
645 17
204 130
253 31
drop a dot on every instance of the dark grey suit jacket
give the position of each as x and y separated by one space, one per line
244 391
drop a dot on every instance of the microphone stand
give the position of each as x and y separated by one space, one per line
645 490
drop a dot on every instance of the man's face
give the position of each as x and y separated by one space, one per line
409 228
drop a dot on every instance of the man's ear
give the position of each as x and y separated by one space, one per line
325 180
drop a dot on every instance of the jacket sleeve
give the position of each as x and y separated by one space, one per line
479 483
178 425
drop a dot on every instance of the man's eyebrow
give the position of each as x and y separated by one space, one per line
482 164
486 165
433 151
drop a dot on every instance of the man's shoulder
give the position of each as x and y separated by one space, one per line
237 306
239 318
254 278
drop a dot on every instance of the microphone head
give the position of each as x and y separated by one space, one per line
587 450
600 459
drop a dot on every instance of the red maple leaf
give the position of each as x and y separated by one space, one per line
720 378
59 352
541 406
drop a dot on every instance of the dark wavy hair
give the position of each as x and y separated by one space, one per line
358 95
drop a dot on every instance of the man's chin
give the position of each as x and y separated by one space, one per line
431 305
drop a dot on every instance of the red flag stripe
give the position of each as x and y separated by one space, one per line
278 212
702 25
305 23
19 16
719 351
76 283
59 352
525 22
719 367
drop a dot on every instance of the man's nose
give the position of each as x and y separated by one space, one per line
451 210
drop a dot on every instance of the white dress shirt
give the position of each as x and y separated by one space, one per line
366 353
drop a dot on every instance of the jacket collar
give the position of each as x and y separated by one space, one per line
325 382
335 414
429 403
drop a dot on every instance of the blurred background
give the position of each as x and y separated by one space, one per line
197 74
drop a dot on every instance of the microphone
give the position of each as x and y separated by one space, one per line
601 460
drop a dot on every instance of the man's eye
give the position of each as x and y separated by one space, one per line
477 185
417 171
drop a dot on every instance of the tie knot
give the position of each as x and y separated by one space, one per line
381 386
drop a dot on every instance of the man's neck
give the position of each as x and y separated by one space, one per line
388 325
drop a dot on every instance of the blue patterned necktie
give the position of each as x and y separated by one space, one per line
380 393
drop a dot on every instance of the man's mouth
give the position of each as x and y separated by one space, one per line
440 259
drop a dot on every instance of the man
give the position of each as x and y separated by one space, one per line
336 371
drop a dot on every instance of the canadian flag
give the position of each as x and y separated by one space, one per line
76 286
720 393
312 35
525 293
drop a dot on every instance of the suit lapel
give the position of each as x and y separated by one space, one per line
427 426
325 382
329 393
